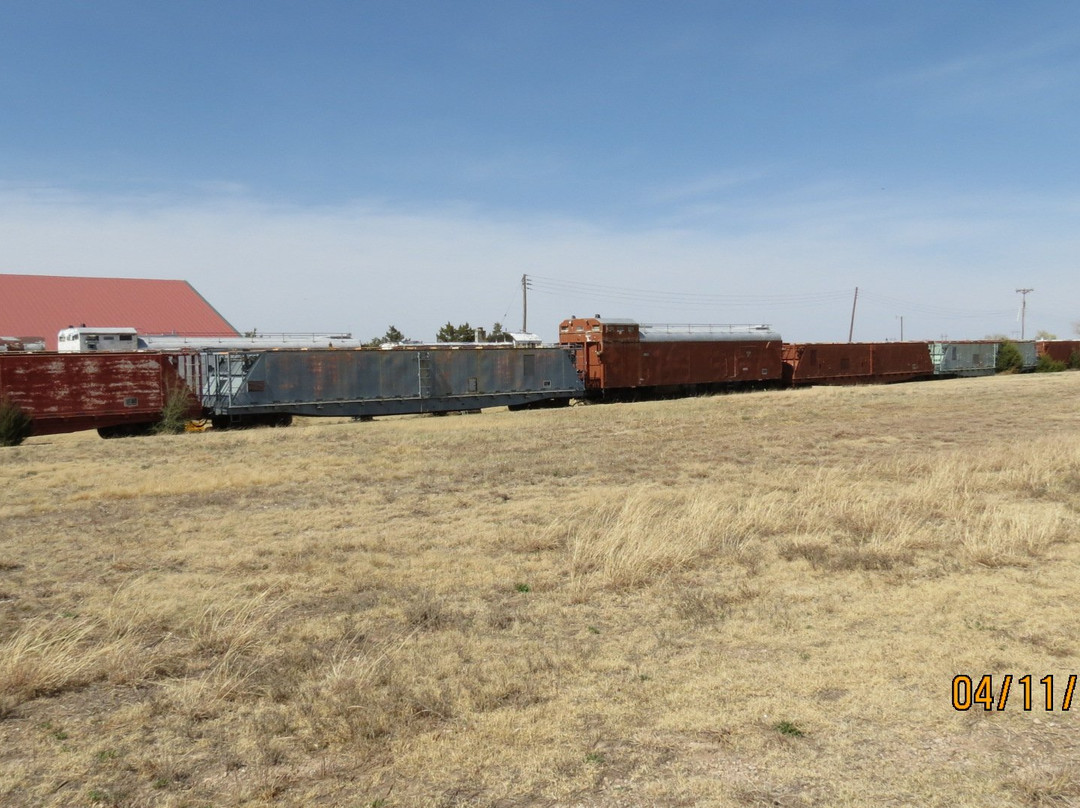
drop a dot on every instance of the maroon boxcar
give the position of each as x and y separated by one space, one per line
1060 350
614 357
116 393
856 362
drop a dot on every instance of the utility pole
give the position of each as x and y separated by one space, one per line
525 304
1023 308
851 331
900 317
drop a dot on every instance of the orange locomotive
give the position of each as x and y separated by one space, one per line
622 358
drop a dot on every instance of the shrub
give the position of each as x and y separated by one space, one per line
1009 358
174 415
1047 364
15 424
1074 360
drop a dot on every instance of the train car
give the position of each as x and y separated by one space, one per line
22 344
616 358
964 358
856 362
246 387
1060 350
115 393
1029 353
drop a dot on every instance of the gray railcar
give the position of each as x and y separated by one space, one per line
240 385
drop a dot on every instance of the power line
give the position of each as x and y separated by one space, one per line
555 287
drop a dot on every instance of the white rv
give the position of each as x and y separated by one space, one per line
81 338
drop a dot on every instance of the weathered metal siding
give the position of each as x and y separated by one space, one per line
382 382
674 364
964 358
622 365
902 361
828 363
70 392
616 355
1060 350
1029 353
856 362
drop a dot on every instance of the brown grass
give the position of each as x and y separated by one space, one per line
735 601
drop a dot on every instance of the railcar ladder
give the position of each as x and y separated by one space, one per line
423 376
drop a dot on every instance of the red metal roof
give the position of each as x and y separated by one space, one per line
41 305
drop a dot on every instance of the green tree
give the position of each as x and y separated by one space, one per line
392 335
15 424
467 333
1045 335
456 333
1009 358
1048 365
498 335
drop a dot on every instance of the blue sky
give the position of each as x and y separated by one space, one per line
346 165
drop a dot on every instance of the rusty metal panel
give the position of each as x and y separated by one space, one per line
856 362
1060 350
69 392
728 361
902 361
828 363
617 355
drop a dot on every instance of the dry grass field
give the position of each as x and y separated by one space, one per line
742 600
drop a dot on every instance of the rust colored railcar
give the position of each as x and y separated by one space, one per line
115 393
1060 350
619 357
856 362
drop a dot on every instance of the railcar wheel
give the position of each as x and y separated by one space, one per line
126 430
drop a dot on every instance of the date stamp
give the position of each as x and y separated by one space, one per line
1021 692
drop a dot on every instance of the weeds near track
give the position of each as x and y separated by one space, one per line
15 424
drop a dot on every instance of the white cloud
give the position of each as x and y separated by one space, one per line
792 261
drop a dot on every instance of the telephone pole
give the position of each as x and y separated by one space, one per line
1023 308
854 303
525 304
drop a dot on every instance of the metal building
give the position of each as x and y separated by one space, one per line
45 304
